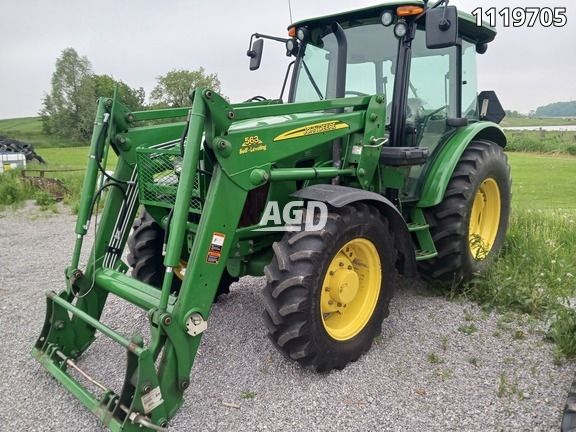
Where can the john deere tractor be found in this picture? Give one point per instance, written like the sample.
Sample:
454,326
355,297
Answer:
378,159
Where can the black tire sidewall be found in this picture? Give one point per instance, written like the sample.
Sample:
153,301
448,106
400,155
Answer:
375,231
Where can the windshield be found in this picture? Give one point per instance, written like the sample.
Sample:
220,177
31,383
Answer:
371,62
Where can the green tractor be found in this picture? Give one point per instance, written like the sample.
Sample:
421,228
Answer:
379,159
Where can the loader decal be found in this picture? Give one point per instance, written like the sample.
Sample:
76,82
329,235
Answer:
312,129
215,249
252,144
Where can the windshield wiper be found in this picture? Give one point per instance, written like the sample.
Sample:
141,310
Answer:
312,80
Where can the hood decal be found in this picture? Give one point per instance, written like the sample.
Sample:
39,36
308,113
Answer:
313,129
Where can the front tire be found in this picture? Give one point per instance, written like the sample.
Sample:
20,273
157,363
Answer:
469,226
328,291
147,262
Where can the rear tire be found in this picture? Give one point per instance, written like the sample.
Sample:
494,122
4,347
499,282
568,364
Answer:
145,256
306,263
469,226
569,417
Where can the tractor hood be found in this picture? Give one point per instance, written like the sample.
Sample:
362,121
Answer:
252,124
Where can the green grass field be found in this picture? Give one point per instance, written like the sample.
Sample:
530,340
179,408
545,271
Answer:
543,182
69,158
29,129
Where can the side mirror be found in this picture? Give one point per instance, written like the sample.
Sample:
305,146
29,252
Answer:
441,27
490,107
255,54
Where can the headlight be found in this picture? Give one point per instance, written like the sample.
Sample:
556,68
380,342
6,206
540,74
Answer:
302,34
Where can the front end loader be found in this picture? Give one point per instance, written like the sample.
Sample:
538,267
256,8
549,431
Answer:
383,159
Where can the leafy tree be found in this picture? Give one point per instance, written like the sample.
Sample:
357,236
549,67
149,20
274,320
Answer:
68,111
514,114
557,109
131,97
174,87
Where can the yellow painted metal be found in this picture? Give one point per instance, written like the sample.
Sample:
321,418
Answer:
484,219
180,271
350,289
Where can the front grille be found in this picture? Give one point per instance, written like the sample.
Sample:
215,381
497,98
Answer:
159,175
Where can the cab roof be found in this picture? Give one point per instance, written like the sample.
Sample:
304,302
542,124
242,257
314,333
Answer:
466,23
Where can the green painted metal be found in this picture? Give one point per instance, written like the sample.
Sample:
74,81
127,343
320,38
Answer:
436,178
234,158
420,228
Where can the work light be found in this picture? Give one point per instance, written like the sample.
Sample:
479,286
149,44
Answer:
387,18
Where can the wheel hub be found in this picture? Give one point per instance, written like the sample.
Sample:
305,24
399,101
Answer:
484,219
350,289
344,283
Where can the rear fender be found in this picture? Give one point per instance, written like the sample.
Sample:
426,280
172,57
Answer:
340,196
440,169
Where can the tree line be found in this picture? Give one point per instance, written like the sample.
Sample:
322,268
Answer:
68,110
557,109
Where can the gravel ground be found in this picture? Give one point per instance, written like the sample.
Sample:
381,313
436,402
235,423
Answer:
424,373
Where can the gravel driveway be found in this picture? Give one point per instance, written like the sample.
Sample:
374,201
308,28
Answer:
438,366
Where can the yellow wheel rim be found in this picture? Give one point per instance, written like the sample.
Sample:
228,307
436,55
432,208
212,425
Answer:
484,219
180,271
350,289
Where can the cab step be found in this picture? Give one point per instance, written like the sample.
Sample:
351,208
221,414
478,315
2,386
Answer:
422,255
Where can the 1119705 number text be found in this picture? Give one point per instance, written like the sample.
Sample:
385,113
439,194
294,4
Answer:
522,16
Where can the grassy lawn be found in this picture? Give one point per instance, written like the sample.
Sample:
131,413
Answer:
72,158
543,182
29,129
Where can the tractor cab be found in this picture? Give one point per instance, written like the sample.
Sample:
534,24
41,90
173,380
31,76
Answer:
423,61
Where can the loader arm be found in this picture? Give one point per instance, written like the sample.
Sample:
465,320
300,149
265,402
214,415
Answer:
200,224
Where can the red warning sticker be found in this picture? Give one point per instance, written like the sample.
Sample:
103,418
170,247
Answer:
215,249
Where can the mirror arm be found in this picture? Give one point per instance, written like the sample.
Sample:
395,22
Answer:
251,53
274,38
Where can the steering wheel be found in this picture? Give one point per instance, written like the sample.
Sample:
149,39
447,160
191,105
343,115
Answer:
256,99
433,113
355,93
